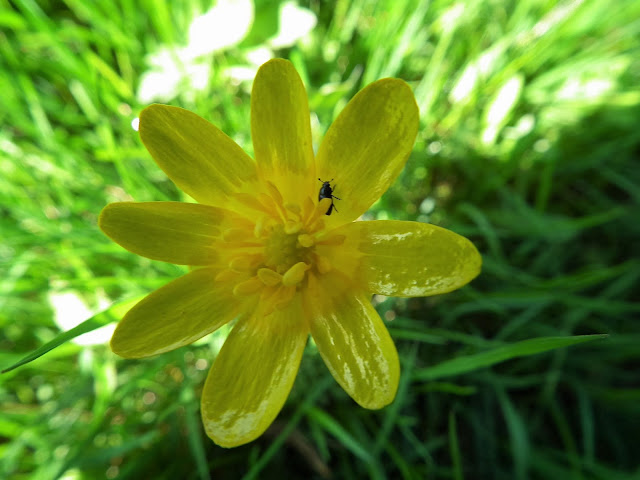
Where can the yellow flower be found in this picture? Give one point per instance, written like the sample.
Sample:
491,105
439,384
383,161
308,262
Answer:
270,254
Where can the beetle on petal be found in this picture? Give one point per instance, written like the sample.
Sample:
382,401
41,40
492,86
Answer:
327,192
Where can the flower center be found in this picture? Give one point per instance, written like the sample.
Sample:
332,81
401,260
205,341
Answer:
282,250
271,249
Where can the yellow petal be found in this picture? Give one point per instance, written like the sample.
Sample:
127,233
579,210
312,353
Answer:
408,259
181,233
367,146
352,340
252,376
200,159
175,315
281,130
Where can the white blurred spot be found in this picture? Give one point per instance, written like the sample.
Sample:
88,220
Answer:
451,16
477,70
295,23
434,147
70,311
259,55
427,205
201,364
225,25
171,68
542,145
465,84
135,123
501,107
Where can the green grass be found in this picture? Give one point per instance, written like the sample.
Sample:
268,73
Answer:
529,145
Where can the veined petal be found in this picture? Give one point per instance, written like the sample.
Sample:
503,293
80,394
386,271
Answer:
367,146
352,340
408,259
281,130
175,315
199,158
252,376
175,232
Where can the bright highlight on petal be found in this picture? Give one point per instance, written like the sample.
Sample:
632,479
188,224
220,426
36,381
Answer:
278,249
353,341
252,376
408,259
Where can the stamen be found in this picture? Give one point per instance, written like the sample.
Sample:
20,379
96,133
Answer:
294,209
248,287
306,240
262,227
292,226
226,275
269,277
295,274
241,264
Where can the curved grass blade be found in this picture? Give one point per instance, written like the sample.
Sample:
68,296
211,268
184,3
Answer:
468,363
111,314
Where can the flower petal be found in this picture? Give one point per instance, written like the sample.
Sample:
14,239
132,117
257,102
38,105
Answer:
180,233
175,315
407,259
281,129
252,376
200,159
367,146
352,340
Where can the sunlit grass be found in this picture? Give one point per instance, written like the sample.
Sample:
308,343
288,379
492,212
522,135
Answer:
529,145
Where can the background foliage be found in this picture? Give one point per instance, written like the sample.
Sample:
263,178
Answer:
529,145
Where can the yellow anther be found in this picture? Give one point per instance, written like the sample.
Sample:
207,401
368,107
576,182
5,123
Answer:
241,264
225,275
248,287
292,227
269,277
323,264
260,229
295,274
305,240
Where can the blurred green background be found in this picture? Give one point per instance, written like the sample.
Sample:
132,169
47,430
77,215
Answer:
529,145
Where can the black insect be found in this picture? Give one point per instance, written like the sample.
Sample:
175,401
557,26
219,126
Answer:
327,192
